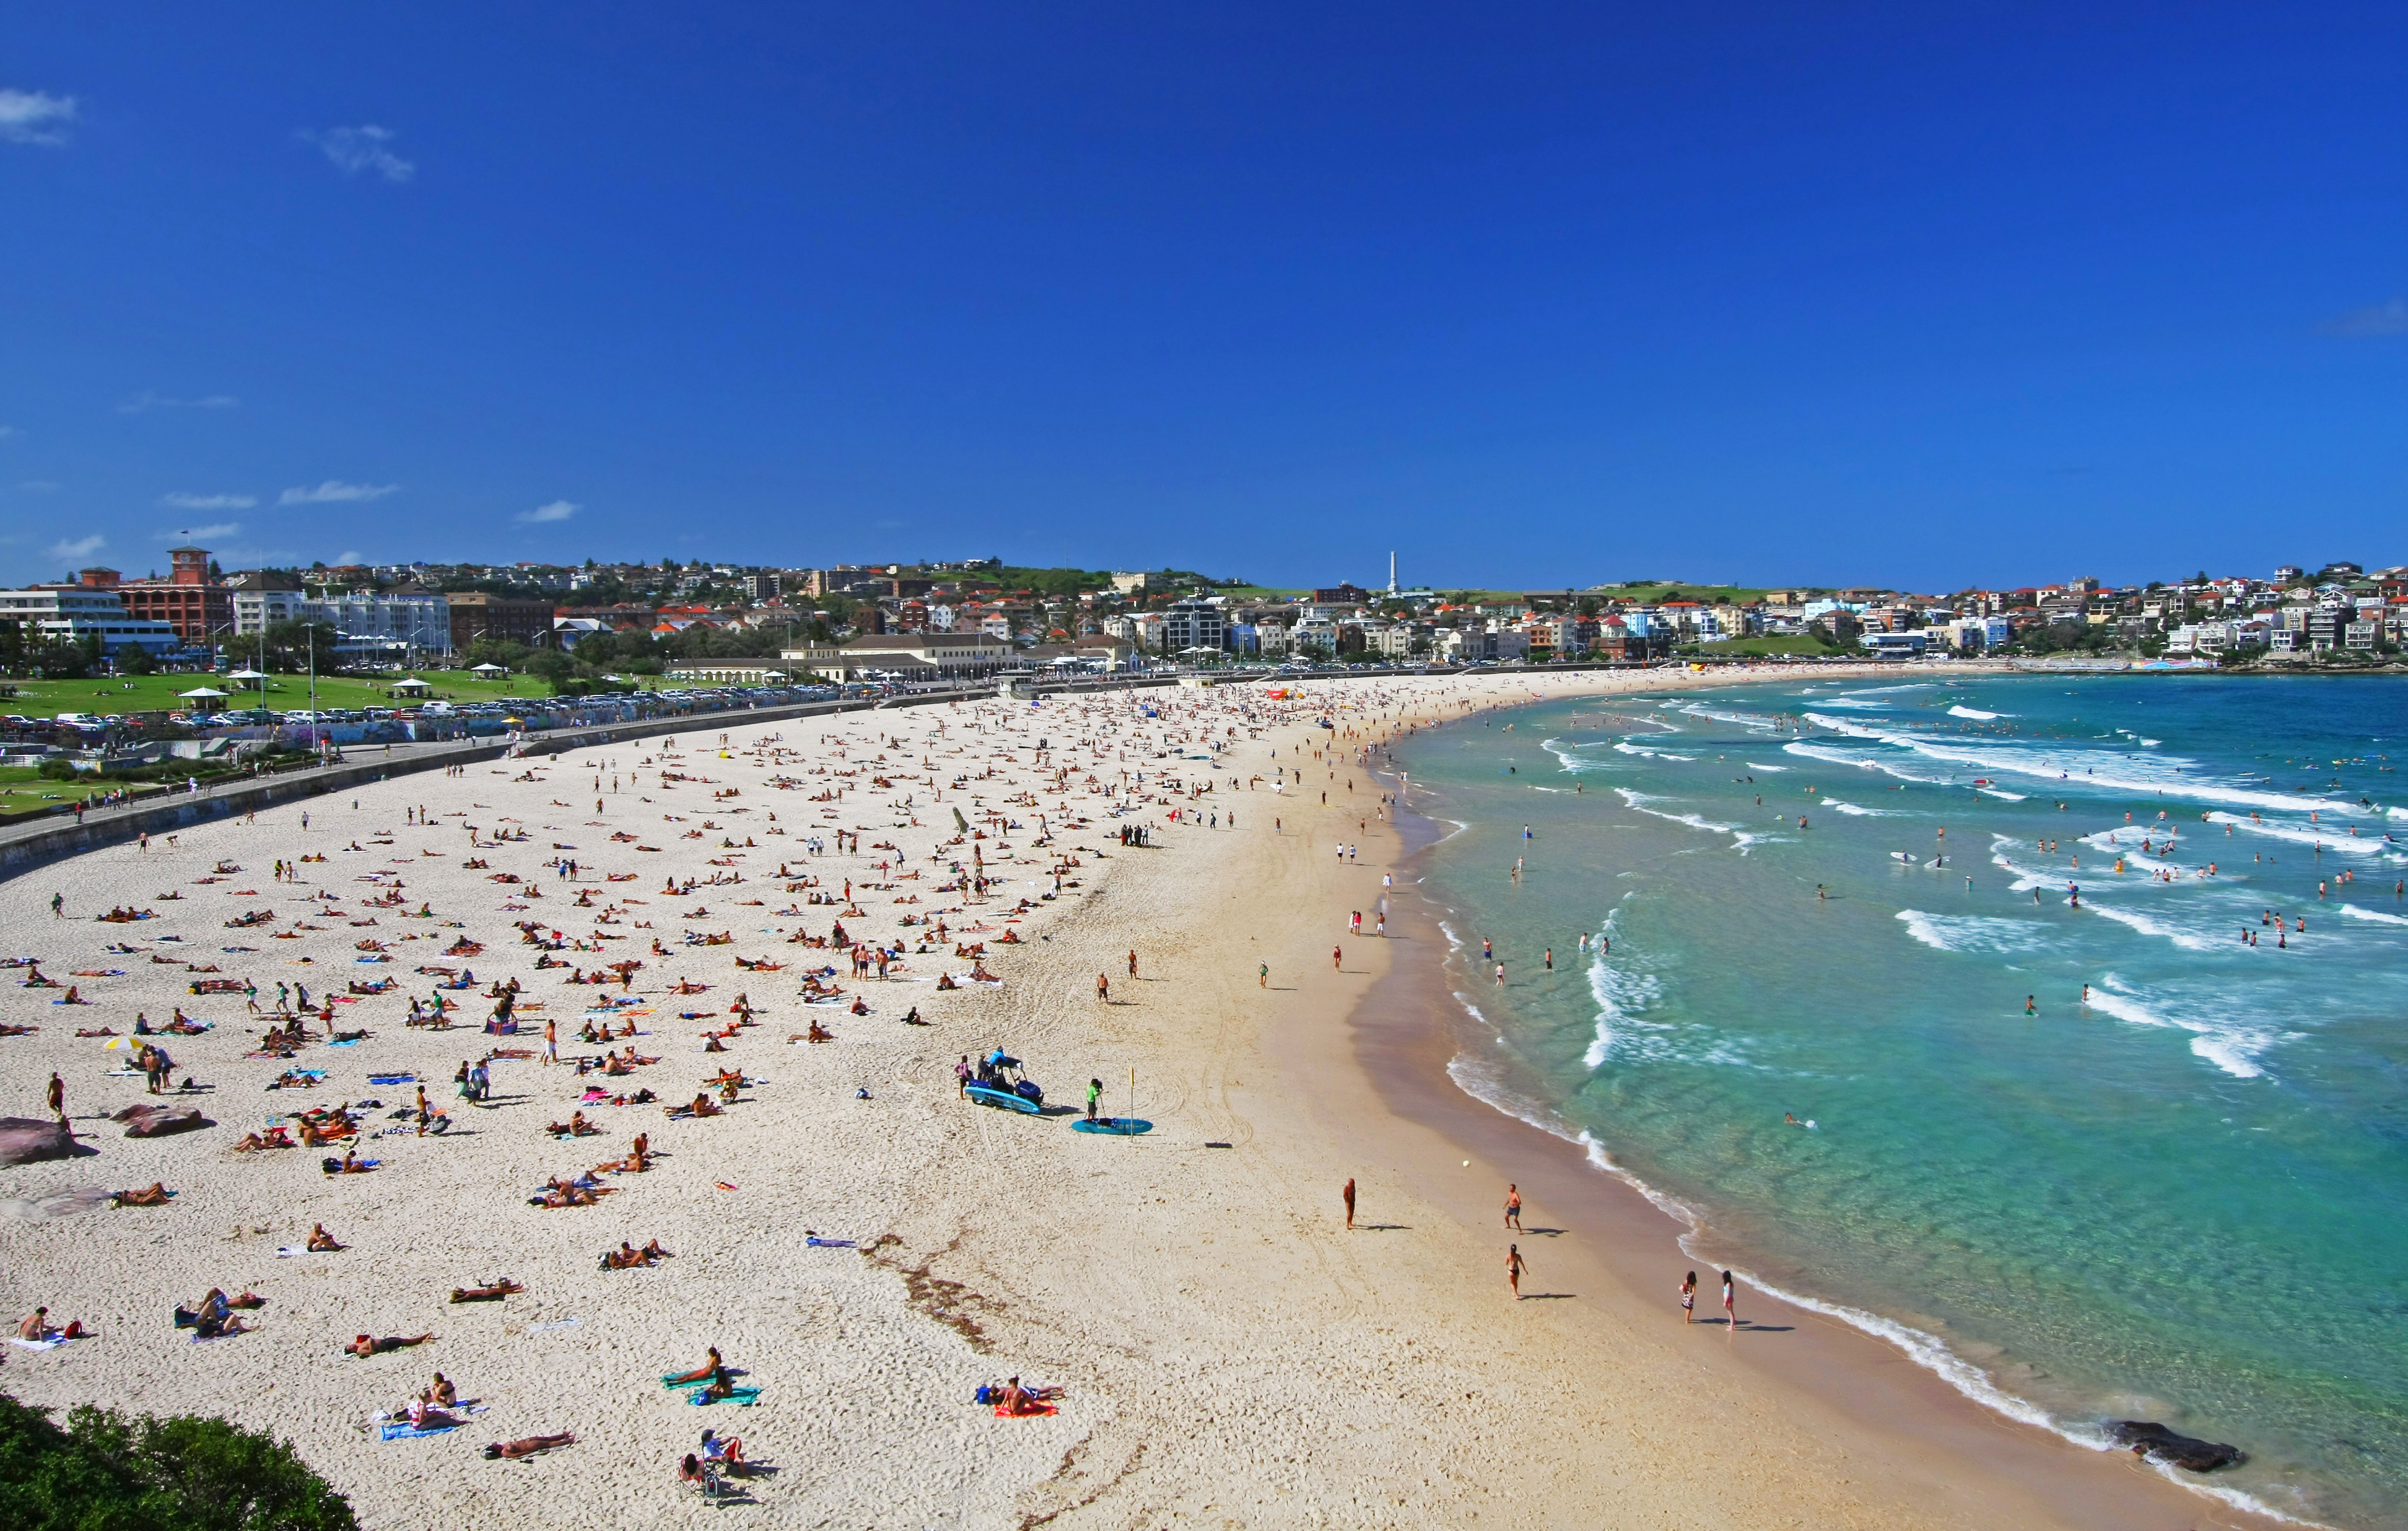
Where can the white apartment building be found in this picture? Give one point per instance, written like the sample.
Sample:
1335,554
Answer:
76,614
418,620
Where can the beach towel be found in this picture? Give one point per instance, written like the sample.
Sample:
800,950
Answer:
393,1078
404,1430
1004,1412
742,1398
555,1324
36,1344
819,1243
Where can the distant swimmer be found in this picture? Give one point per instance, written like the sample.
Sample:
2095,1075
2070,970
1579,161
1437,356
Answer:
2031,1004
1822,893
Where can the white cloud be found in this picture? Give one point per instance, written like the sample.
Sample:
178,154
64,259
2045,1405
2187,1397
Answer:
82,547
362,147
209,502
146,400
194,534
344,559
30,117
556,511
8,431
2383,318
335,492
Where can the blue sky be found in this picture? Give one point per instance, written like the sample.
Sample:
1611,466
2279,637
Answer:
1911,294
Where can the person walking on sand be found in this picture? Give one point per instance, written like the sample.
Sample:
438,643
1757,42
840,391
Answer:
1337,958
1514,1268
1132,961
1689,1298
1348,1196
1730,1291
1104,987
58,906
550,1043
58,1097
1514,1209
1263,979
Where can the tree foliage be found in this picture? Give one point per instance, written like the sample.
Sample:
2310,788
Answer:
107,1471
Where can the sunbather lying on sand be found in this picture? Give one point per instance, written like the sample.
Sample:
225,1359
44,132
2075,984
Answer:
526,1446
273,1137
490,1292
367,1345
628,1257
153,1194
576,1126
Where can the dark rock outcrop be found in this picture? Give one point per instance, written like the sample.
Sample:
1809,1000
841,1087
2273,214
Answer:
25,1140
2158,1444
160,1121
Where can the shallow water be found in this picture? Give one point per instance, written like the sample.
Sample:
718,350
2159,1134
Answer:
2185,1200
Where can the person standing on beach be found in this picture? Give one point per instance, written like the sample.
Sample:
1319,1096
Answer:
58,906
1348,1196
550,1044
1500,975
58,1097
1514,1268
1689,1298
1730,1315
1337,958
1514,1208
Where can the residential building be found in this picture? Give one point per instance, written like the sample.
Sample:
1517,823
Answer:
476,615
1194,624
413,618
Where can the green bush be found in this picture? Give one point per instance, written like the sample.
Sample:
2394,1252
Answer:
56,768
106,1472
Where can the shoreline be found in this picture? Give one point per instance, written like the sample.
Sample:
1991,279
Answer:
1416,1040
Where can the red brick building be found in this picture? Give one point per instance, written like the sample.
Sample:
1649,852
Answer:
199,607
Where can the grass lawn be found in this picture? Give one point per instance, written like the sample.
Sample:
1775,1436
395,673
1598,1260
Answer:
1805,647
285,693
24,791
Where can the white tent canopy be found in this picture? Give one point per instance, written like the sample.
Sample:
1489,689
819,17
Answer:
412,683
489,669
247,675
203,691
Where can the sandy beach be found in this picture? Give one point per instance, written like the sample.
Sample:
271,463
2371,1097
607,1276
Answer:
863,1244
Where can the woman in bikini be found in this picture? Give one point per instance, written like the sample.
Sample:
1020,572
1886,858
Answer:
1689,1298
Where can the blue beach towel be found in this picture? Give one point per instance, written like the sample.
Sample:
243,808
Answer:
743,1397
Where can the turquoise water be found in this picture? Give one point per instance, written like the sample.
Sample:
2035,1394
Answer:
2185,1200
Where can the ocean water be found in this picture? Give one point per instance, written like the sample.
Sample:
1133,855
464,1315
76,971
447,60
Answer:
2185,1200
